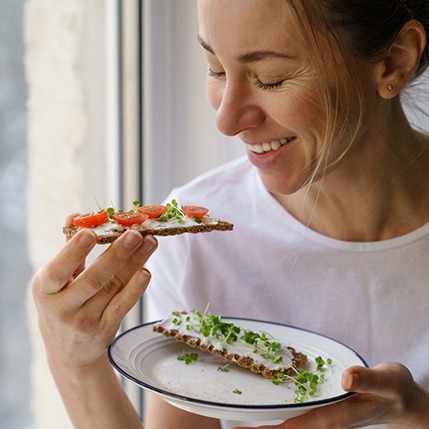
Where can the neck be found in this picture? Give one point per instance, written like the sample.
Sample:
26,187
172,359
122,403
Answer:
380,190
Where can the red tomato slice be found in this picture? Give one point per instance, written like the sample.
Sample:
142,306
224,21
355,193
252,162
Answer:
154,211
90,220
196,211
129,218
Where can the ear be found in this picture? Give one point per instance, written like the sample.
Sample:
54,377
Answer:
399,65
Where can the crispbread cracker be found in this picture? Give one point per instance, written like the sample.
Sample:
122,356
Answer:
258,352
299,359
106,235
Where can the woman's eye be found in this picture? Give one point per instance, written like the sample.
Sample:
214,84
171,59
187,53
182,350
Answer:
272,85
216,75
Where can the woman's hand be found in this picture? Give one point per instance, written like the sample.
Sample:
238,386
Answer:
80,310
386,394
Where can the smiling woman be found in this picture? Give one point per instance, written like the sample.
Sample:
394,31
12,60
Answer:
271,83
330,208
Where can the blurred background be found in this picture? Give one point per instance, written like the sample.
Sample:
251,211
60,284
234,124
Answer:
15,270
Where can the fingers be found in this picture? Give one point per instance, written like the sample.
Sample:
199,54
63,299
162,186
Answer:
330,417
57,273
69,222
141,255
122,277
69,219
351,413
127,298
387,379
385,394
113,268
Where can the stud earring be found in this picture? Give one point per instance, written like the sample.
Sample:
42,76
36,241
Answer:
390,87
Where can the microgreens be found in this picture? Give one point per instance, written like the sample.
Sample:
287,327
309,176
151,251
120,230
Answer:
188,358
224,368
173,212
111,210
306,382
238,392
213,326
177,319
265,345
321,363
196,219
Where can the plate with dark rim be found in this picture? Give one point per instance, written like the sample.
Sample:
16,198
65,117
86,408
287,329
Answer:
213,387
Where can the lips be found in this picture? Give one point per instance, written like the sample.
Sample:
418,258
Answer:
273,145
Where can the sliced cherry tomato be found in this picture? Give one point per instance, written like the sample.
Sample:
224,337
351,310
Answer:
129,218
154,211
196,211
90,220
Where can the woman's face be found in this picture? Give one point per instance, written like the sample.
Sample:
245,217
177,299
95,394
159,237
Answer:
261,82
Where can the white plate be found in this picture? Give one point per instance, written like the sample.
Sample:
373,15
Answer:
150,360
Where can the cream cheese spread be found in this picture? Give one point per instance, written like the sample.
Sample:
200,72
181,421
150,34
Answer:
174,223
107,228
222,335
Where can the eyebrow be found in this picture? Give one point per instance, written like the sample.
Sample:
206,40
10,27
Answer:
249,57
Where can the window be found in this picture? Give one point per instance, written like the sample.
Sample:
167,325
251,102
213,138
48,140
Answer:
168,132
15,271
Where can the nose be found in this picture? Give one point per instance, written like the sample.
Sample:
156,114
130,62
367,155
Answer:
237,110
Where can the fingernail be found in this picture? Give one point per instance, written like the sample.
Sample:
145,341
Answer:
132,239
86,238
350,382
143,276
149,244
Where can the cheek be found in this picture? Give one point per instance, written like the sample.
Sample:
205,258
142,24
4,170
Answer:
303,111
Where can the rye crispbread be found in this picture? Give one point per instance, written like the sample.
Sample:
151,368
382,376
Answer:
299,359
106,236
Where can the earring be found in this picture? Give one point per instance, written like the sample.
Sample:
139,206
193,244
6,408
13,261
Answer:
390,87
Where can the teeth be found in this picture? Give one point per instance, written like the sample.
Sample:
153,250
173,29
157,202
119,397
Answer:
267,147
274,145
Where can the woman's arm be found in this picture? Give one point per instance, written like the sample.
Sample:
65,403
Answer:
161,415
94,397
80,311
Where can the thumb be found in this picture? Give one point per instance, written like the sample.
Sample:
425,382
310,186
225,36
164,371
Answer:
384,379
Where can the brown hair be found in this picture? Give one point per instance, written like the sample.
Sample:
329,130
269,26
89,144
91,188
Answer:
362,31
369,27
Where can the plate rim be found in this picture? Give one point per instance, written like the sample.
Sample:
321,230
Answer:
225,406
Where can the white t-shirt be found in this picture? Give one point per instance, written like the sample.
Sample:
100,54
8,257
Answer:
374,297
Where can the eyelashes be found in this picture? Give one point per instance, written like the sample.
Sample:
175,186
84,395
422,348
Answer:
267,86
216,75
259,84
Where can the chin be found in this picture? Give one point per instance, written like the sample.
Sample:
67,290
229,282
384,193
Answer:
280,185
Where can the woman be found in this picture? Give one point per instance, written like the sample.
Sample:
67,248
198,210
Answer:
331,215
